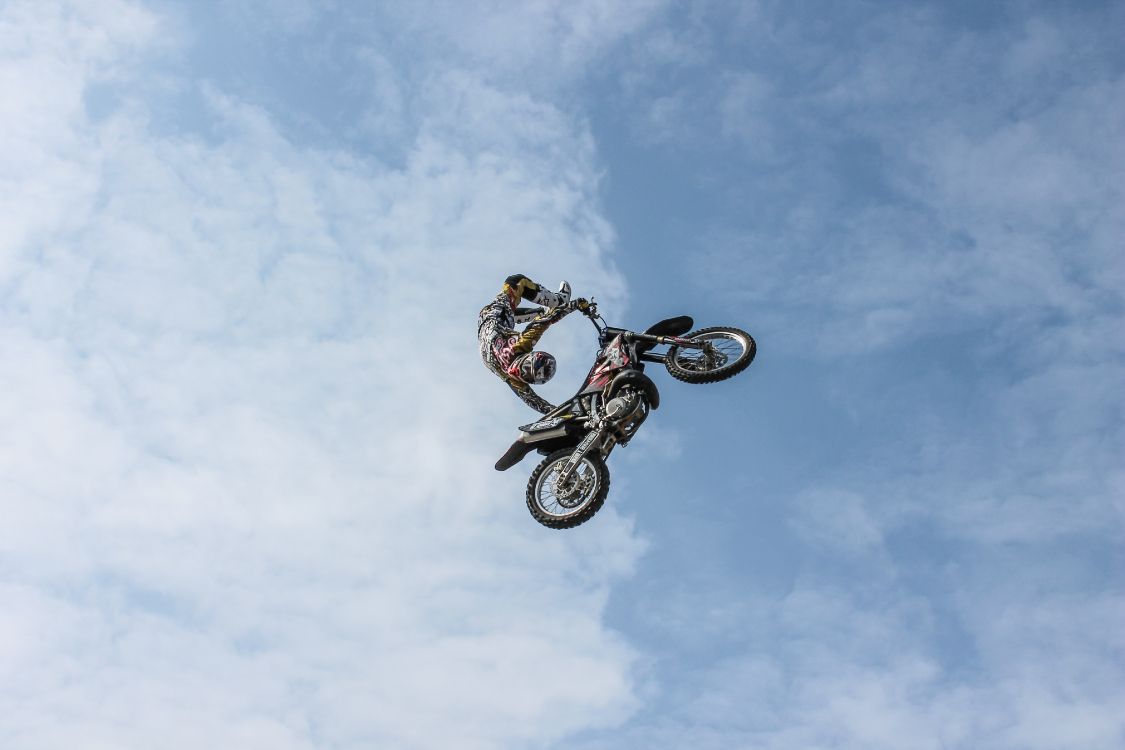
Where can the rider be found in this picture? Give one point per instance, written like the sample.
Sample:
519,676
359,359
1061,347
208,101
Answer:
510,354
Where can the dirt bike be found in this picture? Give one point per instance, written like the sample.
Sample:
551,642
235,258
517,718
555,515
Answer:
570,485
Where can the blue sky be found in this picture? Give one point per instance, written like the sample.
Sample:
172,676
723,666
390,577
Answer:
246,443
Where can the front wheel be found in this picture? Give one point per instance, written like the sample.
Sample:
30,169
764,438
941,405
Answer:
725,353
568,504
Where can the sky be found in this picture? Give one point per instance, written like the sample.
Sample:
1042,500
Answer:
246,442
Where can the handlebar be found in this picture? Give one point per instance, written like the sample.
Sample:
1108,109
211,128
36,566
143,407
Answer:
591,312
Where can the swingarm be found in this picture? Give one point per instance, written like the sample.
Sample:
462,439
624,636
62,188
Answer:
649,356
669,340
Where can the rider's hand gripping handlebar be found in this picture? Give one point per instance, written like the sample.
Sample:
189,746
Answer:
585,306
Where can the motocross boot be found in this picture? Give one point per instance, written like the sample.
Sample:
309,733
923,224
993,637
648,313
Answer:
550,299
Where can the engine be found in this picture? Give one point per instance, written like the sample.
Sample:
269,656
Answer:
626,411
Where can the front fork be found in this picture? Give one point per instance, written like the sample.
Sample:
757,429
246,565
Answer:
599,436
593,438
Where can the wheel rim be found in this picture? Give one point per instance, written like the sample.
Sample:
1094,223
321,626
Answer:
724,351
578,492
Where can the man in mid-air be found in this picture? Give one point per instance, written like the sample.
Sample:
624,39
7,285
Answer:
511,355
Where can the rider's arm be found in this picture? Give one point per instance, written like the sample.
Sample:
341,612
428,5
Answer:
535,330
530,397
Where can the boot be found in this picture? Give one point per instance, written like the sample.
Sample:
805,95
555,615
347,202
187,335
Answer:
551,300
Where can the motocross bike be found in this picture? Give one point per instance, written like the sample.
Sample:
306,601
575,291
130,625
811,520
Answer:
570,485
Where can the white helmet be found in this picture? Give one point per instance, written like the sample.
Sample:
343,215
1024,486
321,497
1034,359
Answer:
536,368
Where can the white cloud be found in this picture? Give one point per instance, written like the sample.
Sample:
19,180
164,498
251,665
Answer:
942,240
744,109
824,666
236,503
838,521
995,159
247,445
538,43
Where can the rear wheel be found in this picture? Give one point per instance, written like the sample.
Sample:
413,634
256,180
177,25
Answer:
573,502
725,353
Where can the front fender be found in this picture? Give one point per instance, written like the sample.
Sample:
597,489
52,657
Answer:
638,380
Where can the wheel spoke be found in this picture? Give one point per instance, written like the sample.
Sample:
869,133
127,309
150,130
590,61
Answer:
577,500
547,494
728,348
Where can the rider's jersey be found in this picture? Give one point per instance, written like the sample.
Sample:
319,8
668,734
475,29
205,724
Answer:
501,345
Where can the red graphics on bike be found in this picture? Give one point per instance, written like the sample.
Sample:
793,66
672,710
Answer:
613,358
570,485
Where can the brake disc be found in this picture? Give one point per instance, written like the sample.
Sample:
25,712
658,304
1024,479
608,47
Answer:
572,493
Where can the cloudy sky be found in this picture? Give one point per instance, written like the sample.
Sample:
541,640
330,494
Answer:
246,443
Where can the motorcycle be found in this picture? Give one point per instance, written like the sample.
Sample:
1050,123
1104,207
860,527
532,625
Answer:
570,485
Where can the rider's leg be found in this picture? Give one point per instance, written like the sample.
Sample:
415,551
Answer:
524,288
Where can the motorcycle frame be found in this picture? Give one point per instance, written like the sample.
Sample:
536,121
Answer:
589,430
606,333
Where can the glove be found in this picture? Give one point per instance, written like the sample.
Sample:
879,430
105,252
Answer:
581,304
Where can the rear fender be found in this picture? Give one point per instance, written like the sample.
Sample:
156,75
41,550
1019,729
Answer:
545,439
515,454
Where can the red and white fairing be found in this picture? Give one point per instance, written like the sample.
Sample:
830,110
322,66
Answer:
614,357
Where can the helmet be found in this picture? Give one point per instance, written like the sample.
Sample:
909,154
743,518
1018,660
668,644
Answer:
536,367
